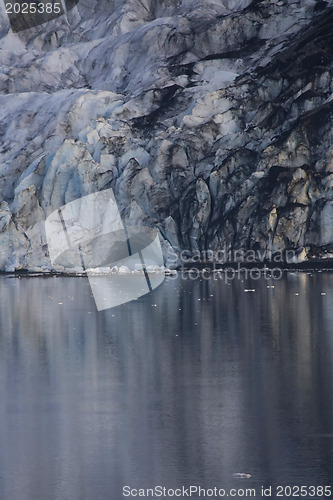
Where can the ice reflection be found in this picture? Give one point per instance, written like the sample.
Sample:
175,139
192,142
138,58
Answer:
189,384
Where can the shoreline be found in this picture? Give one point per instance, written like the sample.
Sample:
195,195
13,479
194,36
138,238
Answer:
306,266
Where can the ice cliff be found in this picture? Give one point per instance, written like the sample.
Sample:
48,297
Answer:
209,119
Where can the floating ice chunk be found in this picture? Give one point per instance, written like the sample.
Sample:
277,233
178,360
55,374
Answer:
124,270
241,475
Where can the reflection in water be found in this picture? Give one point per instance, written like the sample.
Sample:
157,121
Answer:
187,385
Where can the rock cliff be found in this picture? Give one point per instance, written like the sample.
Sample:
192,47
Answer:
211,120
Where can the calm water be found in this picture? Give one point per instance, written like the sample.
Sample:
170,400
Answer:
188,385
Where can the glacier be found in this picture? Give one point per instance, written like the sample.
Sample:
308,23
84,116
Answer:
210,120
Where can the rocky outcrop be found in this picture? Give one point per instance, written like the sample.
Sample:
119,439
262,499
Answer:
210,120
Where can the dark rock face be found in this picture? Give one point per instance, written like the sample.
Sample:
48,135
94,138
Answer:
210,120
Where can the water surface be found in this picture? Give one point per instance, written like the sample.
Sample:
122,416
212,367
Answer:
187,385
